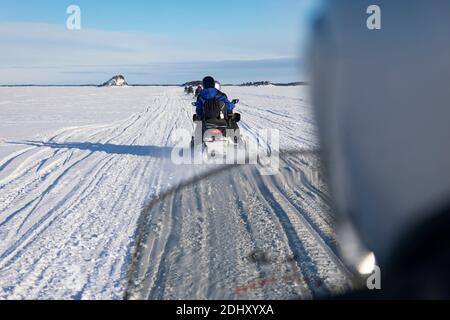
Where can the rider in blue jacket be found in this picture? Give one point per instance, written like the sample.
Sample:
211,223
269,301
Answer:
211,92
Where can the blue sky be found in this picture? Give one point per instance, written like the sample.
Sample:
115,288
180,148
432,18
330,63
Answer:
153,41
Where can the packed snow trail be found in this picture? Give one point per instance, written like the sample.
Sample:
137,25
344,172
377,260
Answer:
239,235
69,208
70,200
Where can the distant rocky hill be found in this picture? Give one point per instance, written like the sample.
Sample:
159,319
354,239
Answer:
116,81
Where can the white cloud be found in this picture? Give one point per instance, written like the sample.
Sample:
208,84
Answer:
36,44
33,44
88,55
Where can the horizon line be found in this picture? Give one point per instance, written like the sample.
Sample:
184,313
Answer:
300,82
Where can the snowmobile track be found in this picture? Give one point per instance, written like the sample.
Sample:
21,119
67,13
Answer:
76,223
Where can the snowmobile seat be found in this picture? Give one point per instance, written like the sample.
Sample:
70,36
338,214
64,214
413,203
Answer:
213,109
216,123
215,115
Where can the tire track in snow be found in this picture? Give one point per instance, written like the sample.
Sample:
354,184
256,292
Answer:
36,276
23,242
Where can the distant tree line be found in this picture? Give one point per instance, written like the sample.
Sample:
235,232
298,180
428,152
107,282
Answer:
255,84
192,83
249,84
299,83
266,83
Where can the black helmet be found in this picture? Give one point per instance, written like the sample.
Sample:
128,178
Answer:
209,82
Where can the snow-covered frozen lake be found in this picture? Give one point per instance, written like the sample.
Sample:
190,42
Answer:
78,165
36,111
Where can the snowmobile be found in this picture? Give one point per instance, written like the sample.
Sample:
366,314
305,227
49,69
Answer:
197,92
220,134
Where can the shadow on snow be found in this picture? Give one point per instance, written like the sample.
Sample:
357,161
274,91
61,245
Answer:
143,151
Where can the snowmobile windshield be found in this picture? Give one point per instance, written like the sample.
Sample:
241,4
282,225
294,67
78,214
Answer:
279,245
